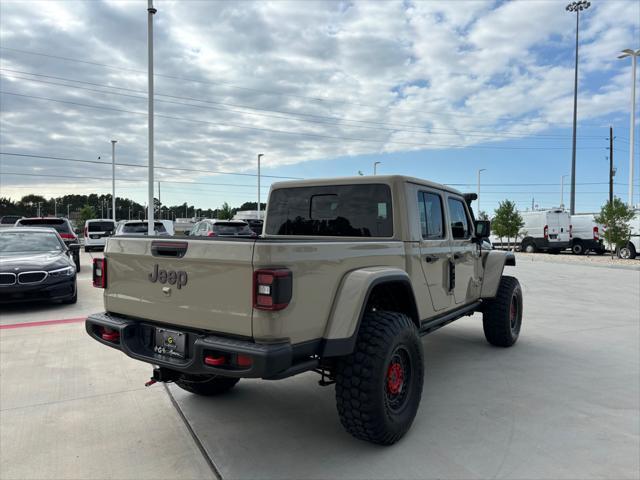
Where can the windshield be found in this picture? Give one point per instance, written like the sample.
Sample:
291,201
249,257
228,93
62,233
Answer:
101,227
141,227
232,229
13,242
60,225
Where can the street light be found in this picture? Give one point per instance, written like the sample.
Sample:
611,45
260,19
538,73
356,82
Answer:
575,7
375,167
260,155
150,13
479,171
634,55
113,178
562,190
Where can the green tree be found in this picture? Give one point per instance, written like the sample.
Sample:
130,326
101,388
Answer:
482,215
615,216
507,222
86,213
225,212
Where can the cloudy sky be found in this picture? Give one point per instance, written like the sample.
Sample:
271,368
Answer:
434,89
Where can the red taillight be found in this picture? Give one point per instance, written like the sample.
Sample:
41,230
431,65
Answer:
272,288
596,233
211,234
68,236
546,231
110,335
100,272
570,231
244,361
215,361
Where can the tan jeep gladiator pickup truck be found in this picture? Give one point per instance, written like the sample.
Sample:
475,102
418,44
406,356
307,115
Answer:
346,277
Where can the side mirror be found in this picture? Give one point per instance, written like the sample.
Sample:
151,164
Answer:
483,228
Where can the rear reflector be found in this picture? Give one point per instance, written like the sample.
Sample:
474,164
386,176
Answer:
272,288
109,334
596,233
244,361
546,231
215,361
100,272
68,236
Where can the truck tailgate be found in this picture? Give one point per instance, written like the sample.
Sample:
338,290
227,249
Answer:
208,286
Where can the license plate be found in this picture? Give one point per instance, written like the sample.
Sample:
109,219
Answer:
170,343
95,236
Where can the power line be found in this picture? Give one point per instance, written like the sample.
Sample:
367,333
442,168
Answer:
13,154
268,92
416,129
286,132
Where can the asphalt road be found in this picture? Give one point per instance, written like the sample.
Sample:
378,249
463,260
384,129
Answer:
563,403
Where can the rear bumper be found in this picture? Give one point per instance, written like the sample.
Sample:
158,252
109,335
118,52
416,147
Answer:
137,338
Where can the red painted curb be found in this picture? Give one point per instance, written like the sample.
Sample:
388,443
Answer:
42,323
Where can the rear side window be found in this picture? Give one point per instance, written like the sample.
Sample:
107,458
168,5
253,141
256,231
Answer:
337,211
459,221
232,229
431,215
101,227
9,220
61,226
142,228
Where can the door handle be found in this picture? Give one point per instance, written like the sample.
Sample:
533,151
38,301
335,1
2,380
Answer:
430,259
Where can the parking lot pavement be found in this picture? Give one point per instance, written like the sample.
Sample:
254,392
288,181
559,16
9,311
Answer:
563,403
71,408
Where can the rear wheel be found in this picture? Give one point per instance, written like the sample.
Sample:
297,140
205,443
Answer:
206,385
529,246
502,316
379,385
628,252
577,248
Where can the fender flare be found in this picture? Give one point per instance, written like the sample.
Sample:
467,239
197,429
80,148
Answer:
350,303
494,264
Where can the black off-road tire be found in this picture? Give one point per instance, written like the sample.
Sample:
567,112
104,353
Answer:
379,385
502,315
206,385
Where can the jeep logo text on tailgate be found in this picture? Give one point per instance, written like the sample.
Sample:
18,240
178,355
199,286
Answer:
173,277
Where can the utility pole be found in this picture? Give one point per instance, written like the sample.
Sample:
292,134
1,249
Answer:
576,7
159,201
68,205
39,208
562,190
479,171
375,167
55,207
102,208
150,12
260,155
611,173
532,202
129,212
113,178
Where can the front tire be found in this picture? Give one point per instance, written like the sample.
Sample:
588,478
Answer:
379,385
577,248
502,316
206,385
628,252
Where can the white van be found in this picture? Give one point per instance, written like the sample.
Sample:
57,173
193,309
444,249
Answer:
632,248
586,234
96,232
545,230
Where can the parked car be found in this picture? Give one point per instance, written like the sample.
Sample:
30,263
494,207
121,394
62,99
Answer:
8,221
222,228
140,227
96,232
347,276
545,231
36,264
60,225
586,234
632,248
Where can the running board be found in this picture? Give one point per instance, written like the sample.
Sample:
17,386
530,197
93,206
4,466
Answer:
435,323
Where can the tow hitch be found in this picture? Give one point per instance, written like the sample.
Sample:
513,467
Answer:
161,374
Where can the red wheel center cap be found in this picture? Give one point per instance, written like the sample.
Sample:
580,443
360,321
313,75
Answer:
395,378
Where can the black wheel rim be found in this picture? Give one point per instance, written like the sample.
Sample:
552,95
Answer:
514,314
398,377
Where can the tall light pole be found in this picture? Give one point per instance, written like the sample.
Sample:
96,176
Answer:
39,208
55,207
632,127
479,172
575,7
260,155
113,178
68,205
562,190
150,12
375,167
